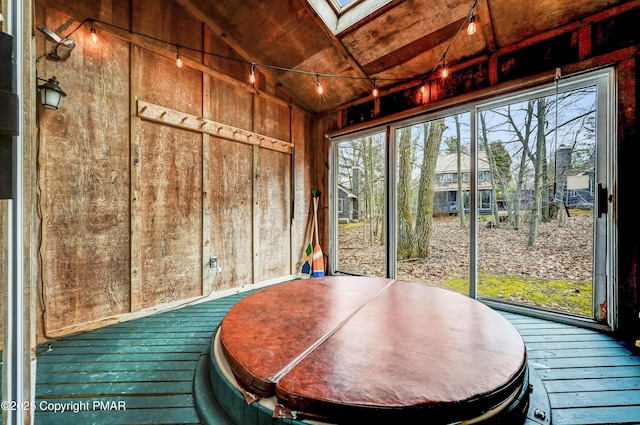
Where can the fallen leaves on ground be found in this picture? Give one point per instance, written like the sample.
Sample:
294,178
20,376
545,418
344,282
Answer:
563,253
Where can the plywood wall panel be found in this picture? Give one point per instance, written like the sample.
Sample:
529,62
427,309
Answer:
133,209
273,182
231,209
272,119
171,230
231,105
170,188
85,166
181,92
303,214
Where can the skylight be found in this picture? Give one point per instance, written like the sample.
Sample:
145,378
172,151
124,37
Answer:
339,15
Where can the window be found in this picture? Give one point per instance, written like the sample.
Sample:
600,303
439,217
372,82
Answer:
508,243
339,15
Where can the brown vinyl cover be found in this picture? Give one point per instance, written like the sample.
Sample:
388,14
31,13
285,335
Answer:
351,347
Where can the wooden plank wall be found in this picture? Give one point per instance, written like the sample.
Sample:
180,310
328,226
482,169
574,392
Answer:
133,209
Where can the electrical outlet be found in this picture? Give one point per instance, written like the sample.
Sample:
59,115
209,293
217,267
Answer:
213,262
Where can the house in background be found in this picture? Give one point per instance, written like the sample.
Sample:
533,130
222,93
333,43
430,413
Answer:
446,188
348,206
575,183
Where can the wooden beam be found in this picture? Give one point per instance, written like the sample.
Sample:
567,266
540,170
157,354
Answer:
160,114
483,13
413,49
337,43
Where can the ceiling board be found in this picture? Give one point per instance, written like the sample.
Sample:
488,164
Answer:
405,39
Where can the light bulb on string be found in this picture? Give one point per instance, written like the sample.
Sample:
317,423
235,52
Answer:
319,88
445,71
252,77
472,27
179,62
94,36
375,89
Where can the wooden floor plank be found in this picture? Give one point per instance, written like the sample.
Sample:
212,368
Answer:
146,401
573,345
595,399
112,388
590,372
581,352
78,366
592,385
555,331
597,416
94,358
148,334
121,376
127,349
588,336
169,416
126,342
586,362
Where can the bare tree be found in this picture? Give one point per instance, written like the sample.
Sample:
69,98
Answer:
492,170
523,136
405,217
459,163
540,160
424,216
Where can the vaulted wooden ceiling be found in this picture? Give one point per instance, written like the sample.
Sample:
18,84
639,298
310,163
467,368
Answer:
404,39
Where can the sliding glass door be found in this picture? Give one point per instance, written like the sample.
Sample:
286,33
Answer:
543,240
507,200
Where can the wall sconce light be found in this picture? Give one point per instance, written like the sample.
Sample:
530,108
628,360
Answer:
50,93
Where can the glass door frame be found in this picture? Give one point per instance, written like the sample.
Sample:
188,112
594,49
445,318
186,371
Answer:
605,231
605,289
333,197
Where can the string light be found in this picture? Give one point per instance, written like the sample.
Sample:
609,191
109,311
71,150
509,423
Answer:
471,28
445,71
179,62
94,36
252,77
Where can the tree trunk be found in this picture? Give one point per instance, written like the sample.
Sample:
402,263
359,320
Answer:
524,139
424,216
492,171
405,219
539,158
459,159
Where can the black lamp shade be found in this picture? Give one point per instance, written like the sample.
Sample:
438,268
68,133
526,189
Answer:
51,93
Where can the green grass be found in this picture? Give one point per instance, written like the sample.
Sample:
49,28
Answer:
563,295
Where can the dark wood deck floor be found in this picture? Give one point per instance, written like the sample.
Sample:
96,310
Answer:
147,367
